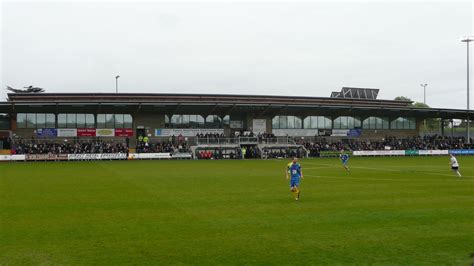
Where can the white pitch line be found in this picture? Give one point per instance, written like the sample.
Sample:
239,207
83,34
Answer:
309,168
396,170
388,179
401,171
358,178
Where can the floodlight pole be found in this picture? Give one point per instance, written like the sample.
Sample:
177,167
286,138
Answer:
424,92
116,83
424,102
467,40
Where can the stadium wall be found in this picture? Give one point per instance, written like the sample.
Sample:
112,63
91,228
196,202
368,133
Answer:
148,122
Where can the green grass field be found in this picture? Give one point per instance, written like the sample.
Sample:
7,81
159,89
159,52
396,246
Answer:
384,211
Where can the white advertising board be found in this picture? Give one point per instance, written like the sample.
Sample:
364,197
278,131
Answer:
182,156
259,126
105,132
97,156
339,132
379,153
67,132
433,152
298,132
186,132
236,124
162,155
16,157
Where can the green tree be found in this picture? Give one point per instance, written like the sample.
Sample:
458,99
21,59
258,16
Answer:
432,124
402,98
420,105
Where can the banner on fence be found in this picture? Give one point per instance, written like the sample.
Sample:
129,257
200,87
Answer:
411,152
340,133
46,132
67,132
186,132
86,132
97,156
105,132
332,153
354,133
462,152
433,152
324,132
46,157
300,132
182,155
379,153
124,132
161,155
19,157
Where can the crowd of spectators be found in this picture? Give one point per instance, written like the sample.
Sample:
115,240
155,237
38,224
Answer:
248,152
66,147
274,153
218,153
179,144
260,137
174,144
435,142
161,146
210,135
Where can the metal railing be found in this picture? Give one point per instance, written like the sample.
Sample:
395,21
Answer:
244,140
248,140
217,141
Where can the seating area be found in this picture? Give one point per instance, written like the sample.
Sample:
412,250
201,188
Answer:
68,147
435,142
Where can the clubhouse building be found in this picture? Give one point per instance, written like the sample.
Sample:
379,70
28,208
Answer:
351,113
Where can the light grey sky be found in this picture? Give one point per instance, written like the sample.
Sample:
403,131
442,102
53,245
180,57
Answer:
306,48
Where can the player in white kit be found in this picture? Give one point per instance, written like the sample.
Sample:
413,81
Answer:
454,164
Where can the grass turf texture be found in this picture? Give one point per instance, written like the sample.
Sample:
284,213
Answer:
384,211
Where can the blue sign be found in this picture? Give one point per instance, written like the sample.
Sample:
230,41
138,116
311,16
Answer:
354,133
46,133
462,152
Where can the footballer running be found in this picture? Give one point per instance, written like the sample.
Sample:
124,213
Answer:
293,170
454,164
344,159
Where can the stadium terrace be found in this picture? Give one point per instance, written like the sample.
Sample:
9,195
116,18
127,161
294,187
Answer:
203,123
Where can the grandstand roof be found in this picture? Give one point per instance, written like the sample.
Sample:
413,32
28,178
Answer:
220,104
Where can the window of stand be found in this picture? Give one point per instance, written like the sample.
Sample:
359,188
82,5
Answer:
34,120
114,121
317,122
375,123
42,120
76,121
286,122
347,122
196,121
403,123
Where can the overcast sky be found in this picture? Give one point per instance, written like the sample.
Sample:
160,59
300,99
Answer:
307,49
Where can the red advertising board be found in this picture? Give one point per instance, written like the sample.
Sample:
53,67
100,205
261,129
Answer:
86,132
124,132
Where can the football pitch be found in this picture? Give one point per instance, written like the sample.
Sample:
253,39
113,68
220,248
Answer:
394,210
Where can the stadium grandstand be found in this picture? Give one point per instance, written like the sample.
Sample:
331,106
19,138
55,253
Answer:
205,126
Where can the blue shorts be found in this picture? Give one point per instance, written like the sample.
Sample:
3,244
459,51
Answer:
295,182
344,162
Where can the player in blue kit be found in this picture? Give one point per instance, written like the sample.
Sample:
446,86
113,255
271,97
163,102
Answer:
344,159
293,170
